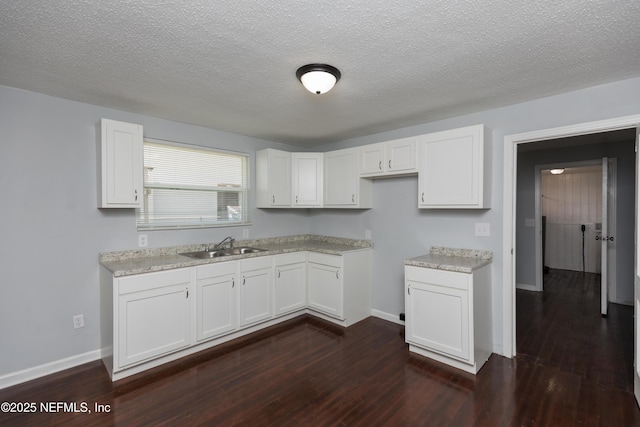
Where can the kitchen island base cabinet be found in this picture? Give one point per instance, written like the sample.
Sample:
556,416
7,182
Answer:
448,315
339,287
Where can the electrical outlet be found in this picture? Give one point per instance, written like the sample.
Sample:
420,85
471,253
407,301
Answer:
143,241
529,222
367,234
245,233
78,321
483,229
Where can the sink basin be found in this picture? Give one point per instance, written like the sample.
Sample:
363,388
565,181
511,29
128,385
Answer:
222,252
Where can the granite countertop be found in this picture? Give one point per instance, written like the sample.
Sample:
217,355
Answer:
126,263
452,259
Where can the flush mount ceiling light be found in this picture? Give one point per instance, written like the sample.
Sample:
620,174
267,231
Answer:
318,78
556,171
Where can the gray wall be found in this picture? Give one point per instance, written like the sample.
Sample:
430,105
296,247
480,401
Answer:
48,191
51,231
400,230
624,152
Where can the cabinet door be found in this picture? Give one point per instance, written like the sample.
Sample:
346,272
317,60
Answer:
452,169
401,156
153,322
324,289
307,179
341,178
255,284
372,160
121,162
279,171
216,300
290,287
438,318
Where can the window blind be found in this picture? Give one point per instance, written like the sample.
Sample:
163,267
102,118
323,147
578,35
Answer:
187,187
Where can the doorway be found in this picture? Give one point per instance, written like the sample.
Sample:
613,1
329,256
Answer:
513,173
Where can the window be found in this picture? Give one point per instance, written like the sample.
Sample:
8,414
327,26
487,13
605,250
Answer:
189,187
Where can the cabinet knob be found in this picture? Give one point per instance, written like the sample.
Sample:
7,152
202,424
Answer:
187,293
380,165
136,195
273,199
233,282
422,197
337,274
389,164
296,199
244,280
278,273
353,198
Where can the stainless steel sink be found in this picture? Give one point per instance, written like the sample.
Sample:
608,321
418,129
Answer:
222,252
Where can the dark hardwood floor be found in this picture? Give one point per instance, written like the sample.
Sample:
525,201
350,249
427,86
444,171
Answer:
573,368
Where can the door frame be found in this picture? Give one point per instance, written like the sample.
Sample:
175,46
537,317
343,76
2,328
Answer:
611,189
509,208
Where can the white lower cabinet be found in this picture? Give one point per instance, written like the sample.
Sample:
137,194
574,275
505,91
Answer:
153,315
153,318
215,300
448,315
255,290
290,282
339,287
325,284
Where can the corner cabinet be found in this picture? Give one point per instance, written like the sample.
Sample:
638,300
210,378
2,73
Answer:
448,315
339,286
273,179
120,159
290,282
397,157
307,179
455,169
343,187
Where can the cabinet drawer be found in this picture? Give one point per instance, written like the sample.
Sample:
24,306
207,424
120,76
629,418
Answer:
215,270
291,258
256,263
325,259
143,282
436,277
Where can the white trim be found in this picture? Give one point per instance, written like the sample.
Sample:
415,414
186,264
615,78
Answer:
527,287
387,316
29,374
509,214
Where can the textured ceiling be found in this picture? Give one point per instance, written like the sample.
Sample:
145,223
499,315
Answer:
230,65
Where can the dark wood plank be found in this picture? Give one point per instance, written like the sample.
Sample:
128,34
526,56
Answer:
573,368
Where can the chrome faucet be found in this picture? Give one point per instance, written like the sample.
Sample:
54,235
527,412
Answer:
220,245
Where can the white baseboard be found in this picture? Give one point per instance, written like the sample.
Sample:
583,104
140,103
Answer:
29,374
387,316
526,287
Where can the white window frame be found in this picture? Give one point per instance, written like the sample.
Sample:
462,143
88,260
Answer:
243,190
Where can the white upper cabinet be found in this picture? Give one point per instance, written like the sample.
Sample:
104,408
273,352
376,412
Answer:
343,187
454,169
273,179
307,179
121,162
397,157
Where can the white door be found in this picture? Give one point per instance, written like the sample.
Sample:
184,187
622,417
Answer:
636,350
604,282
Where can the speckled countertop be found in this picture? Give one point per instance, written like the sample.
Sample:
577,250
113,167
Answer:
452,259
126,263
